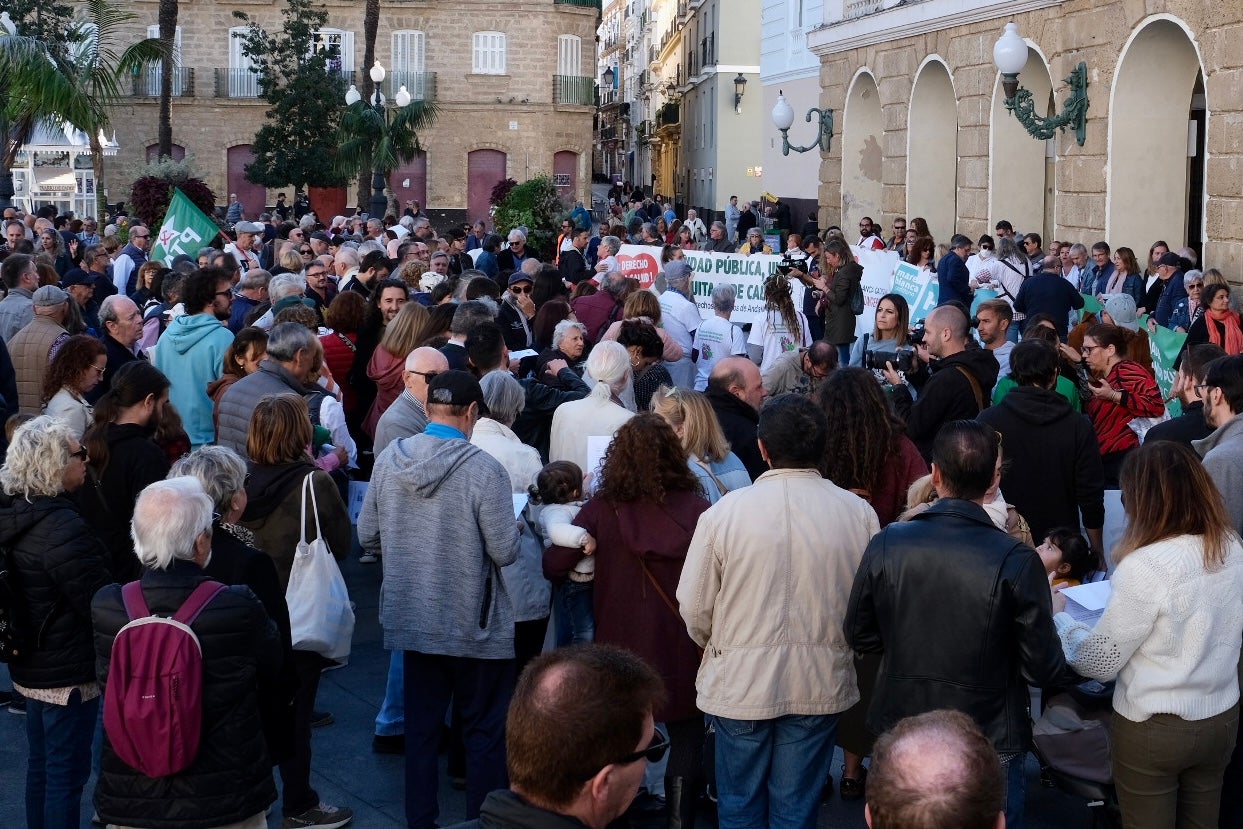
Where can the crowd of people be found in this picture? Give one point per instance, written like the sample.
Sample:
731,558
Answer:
613,530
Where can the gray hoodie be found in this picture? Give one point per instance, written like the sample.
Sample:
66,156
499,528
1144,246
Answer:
440,511
1223,460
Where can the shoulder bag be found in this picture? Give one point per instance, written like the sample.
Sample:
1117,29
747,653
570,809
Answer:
321,619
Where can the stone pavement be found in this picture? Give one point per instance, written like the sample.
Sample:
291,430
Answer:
347,773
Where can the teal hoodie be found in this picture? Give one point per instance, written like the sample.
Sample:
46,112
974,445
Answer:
190,352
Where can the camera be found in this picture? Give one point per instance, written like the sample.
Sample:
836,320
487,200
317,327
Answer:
917,333
794,260
903,359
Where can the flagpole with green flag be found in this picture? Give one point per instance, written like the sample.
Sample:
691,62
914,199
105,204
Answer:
185,230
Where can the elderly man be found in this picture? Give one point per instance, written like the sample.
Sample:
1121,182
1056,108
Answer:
935,771
696,224
131,257
801,371
680,318
444,605
243,248
290,357
599,310
609,695
231,776
251,292
717,243
33,348
607,255
776,682
512,257
345,263
716,337
408,413
736,392
122,323
21,278
1169,271
233,213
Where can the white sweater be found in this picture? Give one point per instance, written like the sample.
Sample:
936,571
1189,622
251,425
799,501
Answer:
1171,632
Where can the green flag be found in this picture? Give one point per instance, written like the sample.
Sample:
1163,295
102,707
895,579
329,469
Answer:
1165,346
185,230
1091,305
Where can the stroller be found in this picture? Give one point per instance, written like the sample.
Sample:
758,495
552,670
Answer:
1071,742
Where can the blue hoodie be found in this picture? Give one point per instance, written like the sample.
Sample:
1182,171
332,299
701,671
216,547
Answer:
190,352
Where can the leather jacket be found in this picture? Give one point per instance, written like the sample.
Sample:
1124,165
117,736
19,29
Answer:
961,612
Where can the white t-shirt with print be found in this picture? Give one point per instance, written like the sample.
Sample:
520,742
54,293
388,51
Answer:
771,333
716,338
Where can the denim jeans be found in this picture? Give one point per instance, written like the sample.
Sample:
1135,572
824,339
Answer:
391,721
843,354
769,773
576,621
60,761
1016,791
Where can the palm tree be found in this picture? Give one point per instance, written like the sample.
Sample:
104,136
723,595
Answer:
80,87
168,31
369,139
371,23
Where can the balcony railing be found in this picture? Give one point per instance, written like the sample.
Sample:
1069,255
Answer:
668,115
572,89
237,83
420,85
588,4
608,97
147,84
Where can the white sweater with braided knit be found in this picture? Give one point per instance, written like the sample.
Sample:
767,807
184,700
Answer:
1170,633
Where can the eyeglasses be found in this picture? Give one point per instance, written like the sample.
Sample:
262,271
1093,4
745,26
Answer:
101,369
81,454
519,289
228,293
654,753
1088,349
429,376
1199,389
1029,241
313,274
140,236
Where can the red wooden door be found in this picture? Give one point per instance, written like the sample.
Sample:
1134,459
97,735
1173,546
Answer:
252,196
565,174
484,168
415,172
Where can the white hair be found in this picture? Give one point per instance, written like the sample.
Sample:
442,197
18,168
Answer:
220,471
286,284
609,366
516,235
369,246
37,458
562,328
169,516
503,395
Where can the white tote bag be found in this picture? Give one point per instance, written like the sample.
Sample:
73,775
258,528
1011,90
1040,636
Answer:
320,617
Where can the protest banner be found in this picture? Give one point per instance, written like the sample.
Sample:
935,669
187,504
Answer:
917,287
185,230
878,267
745,273
1165,346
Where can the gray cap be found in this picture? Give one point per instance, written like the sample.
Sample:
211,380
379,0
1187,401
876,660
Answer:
49,295
248,227
1121,308
677,271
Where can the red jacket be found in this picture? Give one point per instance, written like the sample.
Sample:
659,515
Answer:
339,356
1140,398
596,311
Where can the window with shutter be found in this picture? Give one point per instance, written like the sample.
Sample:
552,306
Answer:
409,49
488,53
569,55
153,72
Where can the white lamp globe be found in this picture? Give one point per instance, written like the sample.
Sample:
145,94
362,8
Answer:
377,73
783,114
353,96
1010,51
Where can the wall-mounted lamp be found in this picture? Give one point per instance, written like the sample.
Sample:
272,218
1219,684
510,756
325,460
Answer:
1010,55
783,118
609,75
740,87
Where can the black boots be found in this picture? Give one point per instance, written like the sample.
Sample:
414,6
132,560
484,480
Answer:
681,800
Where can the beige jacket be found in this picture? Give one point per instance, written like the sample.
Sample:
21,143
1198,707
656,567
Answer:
764,592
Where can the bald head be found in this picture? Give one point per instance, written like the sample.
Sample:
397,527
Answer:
935,771
419,363
947,330
741,378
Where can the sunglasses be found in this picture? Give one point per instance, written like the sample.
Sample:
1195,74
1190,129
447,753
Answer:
307,252
654,753
519,289
81,454
429,376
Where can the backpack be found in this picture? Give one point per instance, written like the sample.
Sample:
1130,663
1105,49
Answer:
12,635
856,299
153,708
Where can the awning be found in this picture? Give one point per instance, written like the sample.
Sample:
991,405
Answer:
54,180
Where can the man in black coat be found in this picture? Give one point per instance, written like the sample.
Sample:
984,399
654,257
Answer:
1052,473
122,328
573,262
990,598
736,391
1191,424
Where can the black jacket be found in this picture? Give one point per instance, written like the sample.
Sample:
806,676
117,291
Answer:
574,267
505,810
961,612
945,395
231,778
739,423
1188,426
534,425
515,327
107,501
1053,473
505,258
117,356
58,566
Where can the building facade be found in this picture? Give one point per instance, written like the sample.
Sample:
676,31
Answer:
923,130
513,81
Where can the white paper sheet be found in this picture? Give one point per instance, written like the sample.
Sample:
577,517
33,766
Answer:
1086,602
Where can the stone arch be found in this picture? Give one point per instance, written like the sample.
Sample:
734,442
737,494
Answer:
862,152
1019,172
932,149
1149,196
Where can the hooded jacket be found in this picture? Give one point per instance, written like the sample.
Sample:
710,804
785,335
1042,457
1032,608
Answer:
441,512
58,566
946,395
1053,473
274,512
191,354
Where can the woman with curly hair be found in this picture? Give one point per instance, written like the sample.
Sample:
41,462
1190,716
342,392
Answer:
644,346
639,526
784,327
76,369
867,453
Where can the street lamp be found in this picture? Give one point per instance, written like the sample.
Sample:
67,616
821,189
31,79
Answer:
783,119
609,75
378,204
740,87
1010,56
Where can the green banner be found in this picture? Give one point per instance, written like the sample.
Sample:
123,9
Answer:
1091,305
1165,346
185,230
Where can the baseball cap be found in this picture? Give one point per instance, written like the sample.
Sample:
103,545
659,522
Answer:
677,271
248,227
454,388
76,276
1170,258
1121,308
48,296
519,276
321,236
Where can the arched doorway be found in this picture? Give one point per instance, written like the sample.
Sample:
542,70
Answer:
565,174
178,152
932,150
862,154
1156,155
484,168
409,181
1019,174
252,196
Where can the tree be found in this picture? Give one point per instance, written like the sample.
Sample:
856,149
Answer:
371,23
369,139
297,142
78,80
168,33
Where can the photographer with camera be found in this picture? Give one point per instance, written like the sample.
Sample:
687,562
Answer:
954,387
841,305
890,340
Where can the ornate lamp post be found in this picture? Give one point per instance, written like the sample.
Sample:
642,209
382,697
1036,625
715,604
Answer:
378,204
1010,55
783,119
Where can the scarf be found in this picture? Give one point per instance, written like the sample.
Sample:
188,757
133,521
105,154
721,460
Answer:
1115,282
1234,335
